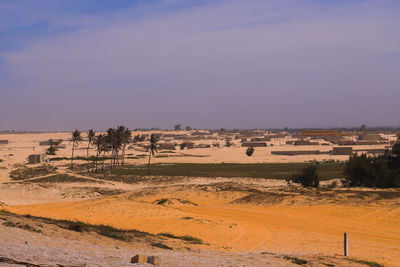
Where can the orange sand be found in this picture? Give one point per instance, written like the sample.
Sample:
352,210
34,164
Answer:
283,228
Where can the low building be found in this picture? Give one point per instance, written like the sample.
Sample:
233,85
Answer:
305,143
340,150
254,144
166,146
296,152
3,142
35,158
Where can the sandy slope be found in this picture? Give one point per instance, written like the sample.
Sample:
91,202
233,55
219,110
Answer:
301,224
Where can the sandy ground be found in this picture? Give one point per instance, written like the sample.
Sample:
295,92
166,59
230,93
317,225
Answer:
248,217
237,220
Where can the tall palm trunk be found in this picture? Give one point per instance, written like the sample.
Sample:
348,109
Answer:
148,165
87,150
72,156
123,155
96,160
87,156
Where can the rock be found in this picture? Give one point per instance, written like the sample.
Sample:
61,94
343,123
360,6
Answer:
155,260
139,259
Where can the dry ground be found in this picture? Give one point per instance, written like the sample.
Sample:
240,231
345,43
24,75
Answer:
261,219
224,221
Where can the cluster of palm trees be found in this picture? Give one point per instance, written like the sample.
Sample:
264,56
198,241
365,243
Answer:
112,143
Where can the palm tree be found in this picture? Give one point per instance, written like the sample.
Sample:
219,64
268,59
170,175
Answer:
113,140
91,135
126,138
101,146
76,139
152,150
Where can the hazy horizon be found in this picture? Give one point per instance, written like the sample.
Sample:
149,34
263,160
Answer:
83,64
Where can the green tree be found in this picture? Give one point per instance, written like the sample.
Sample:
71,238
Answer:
126,138
101,145
177,127
75,140
381,171
90,135
307,177
228,142
152,150
51,150
250,151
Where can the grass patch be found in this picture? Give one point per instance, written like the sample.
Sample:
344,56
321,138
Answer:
367,263
62,178
22,226
162,201
160,245
104,230
26,172
268,170
91,158
78,226
295,260
187,238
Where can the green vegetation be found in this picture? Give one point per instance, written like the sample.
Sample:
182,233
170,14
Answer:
325,171
62,178
188,238
22,226
77,226
228,142
152,150
53,146
295,260
26,173
381,171
51,150
367,263
91,158
250,151
160,245
162,201
307,177
76,139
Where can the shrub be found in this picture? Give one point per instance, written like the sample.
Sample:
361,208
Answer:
228,142
250,151
374,171
333,184
51,150
160,245
307,177
183,146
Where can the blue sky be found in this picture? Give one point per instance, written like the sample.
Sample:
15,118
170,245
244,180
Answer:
232,64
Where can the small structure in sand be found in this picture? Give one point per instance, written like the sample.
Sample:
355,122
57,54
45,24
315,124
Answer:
35,158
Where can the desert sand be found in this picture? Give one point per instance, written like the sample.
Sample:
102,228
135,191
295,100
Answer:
256,221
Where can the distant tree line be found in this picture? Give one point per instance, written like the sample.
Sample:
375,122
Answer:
111,145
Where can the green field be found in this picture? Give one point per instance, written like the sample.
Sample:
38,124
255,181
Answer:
267,170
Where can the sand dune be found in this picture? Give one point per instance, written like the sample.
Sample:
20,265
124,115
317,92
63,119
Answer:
304,223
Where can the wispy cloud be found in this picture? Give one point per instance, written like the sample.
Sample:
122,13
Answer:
208,64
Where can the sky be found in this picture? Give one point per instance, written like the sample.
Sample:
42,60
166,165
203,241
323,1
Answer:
81,64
